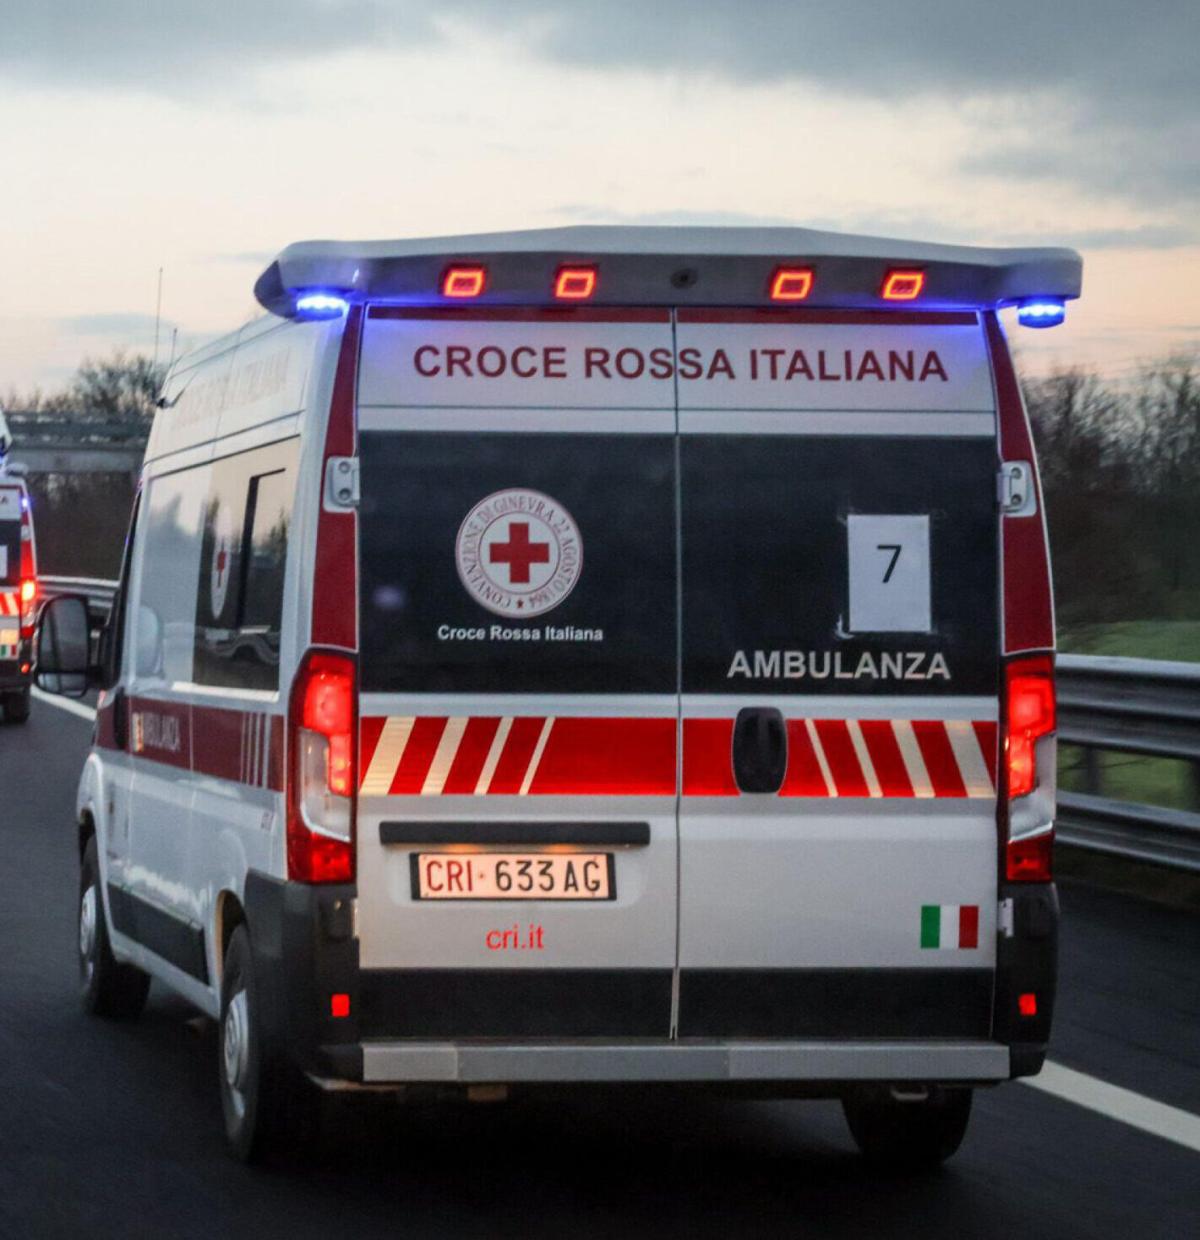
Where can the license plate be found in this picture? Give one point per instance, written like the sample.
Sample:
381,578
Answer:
513,876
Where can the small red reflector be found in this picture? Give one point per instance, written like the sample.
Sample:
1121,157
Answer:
791,284
1030,860
24,669
1027,1004
903,285
339,1006
464,281
575,283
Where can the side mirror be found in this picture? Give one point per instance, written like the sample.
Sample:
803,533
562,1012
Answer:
64,646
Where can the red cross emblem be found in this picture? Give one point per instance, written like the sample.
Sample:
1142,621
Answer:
519,553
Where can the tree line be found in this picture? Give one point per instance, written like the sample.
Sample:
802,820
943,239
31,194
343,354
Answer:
1120,467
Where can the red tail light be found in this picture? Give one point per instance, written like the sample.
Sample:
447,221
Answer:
322,758
1030,719
1029,715
903,285
575,283
791,283
463,281
28,591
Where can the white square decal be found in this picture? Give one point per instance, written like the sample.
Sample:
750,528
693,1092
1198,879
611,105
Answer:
889,574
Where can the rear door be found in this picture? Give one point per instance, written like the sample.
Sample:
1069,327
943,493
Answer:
839,670
10,571
518,636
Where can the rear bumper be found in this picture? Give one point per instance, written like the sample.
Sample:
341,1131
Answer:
682,1062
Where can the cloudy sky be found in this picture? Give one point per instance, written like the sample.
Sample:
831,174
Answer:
201,138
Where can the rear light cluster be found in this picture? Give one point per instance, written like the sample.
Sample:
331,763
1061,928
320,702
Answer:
1029,768
28,591
580,283
321,773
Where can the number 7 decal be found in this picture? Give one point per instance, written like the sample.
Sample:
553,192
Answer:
889,567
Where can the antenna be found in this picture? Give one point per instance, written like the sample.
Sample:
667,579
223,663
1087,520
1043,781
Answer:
157,315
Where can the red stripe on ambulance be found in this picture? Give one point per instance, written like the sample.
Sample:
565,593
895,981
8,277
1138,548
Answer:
542,755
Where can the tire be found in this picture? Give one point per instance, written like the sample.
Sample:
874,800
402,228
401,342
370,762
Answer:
16,706
908,1136
270,1110
106,987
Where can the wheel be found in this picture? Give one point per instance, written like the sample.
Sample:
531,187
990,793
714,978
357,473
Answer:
270,1109
902,1135
16,706
106,987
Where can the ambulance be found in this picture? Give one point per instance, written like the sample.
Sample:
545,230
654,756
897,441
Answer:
18,588
592,656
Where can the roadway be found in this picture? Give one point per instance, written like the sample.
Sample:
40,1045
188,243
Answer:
115,1130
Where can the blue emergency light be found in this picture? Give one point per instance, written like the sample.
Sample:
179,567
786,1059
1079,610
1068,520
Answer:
1041,312
317,305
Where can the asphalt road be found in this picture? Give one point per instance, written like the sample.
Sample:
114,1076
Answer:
115,1130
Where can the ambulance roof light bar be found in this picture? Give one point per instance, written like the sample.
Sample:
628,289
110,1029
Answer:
668,266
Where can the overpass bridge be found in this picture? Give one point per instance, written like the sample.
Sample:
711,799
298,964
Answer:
75,443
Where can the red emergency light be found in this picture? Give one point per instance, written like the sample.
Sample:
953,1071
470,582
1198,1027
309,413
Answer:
464,281
575,283
791,283
903,285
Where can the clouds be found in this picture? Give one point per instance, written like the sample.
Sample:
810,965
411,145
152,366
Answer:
1099,95
185,47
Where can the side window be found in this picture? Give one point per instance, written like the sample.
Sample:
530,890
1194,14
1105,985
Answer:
243,553
163,599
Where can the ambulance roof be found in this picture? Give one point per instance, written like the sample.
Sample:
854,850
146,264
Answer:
668,266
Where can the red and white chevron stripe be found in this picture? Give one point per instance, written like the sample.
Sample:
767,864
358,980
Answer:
10,603
531,755
855,758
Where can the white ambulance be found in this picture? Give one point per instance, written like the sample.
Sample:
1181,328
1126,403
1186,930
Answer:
597,655
18,589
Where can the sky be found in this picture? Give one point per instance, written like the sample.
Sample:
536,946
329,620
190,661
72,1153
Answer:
202,138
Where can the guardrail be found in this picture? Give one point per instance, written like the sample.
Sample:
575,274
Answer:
98,592
1139,706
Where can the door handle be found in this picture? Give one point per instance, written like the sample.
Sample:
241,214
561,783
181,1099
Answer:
759,749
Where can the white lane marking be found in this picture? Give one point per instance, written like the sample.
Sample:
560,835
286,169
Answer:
914,763
822,761
439,768
71,706
1136,1110
536,760
971,765
385,761
493,759
864,757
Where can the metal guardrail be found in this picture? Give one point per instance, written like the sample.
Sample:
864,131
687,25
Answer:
1139,706
98,592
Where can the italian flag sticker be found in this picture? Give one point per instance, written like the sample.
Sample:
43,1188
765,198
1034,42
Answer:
950,925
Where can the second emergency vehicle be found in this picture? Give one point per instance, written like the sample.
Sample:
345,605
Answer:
590,656
18,589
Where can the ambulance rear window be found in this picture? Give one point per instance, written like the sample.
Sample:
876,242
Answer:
10,533
517,562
